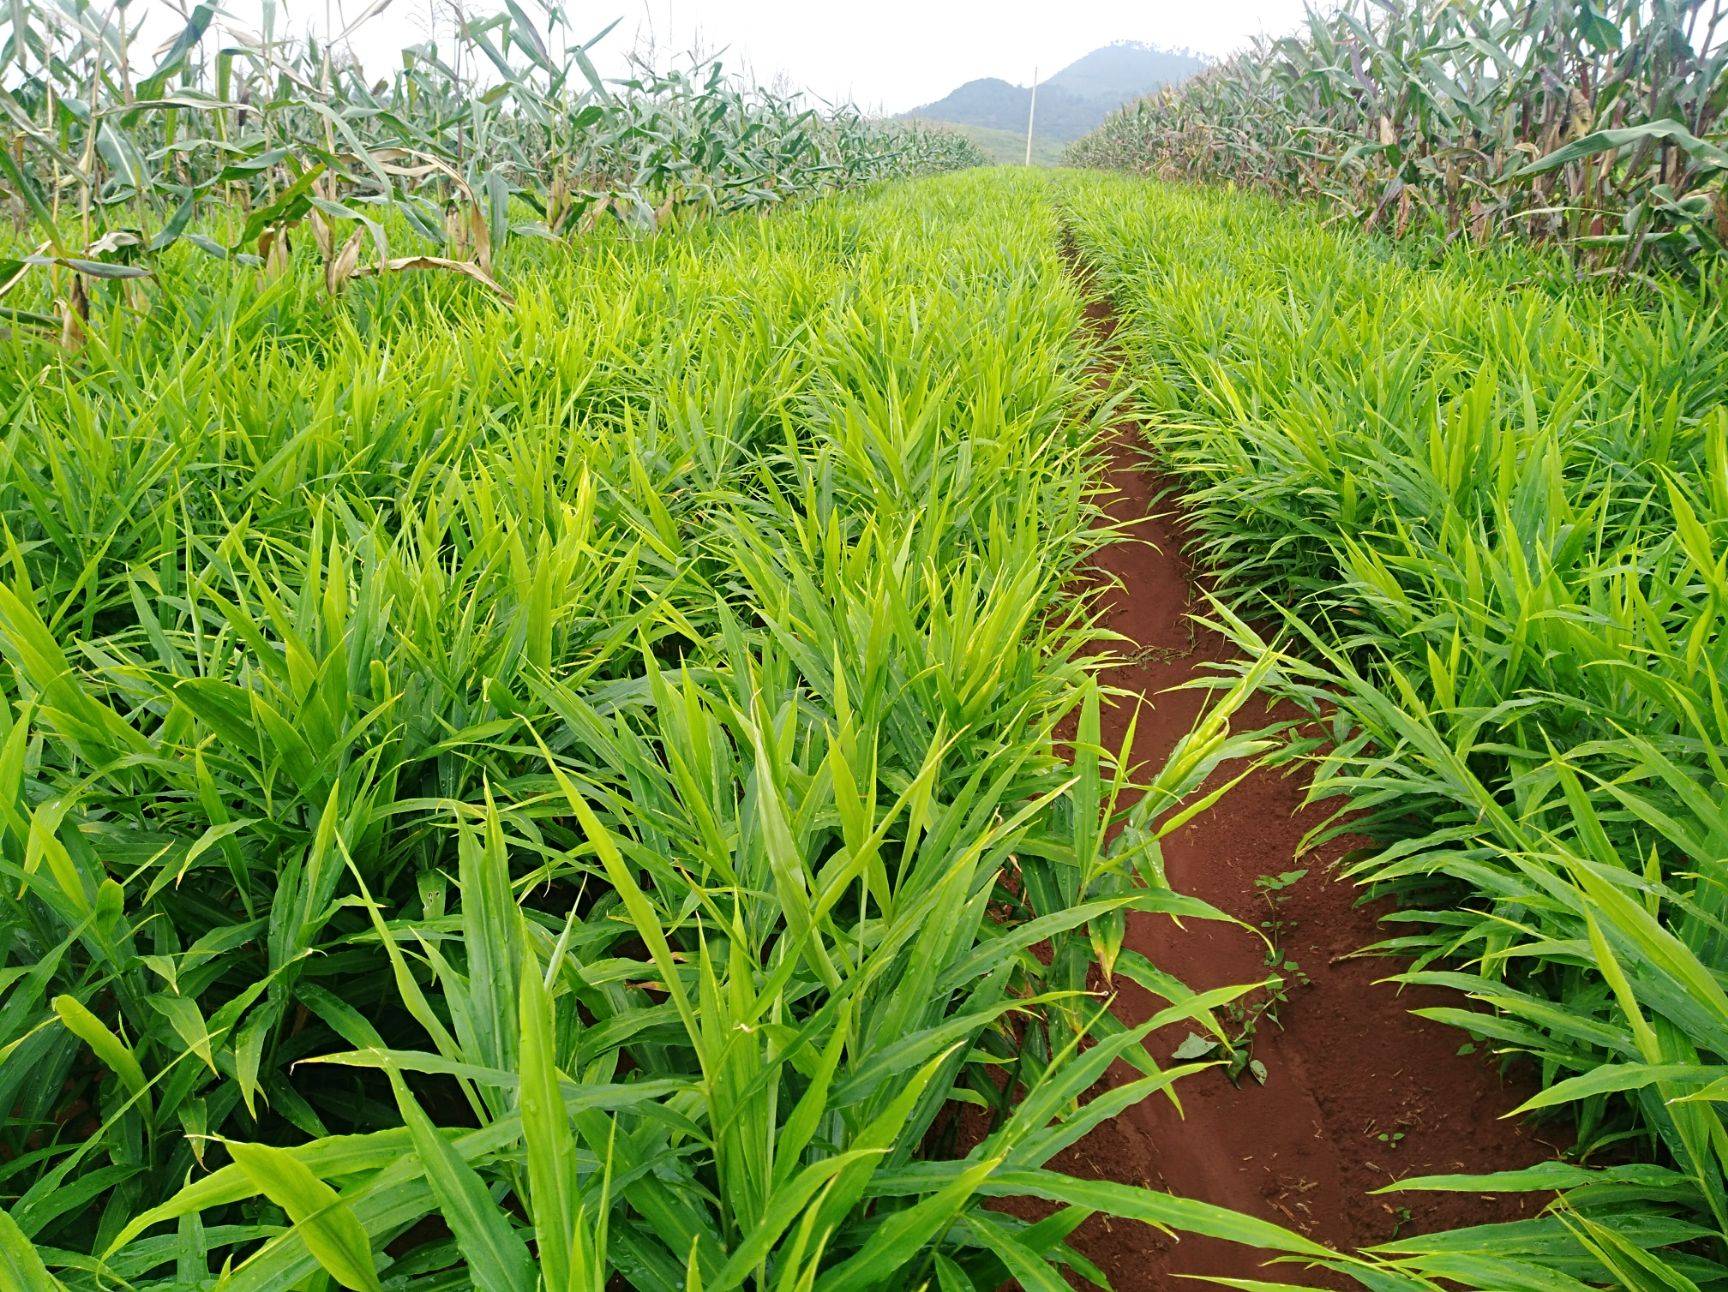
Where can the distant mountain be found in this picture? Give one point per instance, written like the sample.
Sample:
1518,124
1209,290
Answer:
998,105
1071,102
1125,70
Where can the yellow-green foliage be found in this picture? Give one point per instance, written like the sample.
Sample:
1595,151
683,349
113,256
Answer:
1490,519
577,773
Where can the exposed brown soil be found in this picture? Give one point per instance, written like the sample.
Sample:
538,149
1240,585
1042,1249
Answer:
1359,1091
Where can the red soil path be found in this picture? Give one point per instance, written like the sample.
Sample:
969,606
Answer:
1349,1065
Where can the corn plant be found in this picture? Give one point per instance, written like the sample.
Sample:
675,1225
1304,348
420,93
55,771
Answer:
1594,124
114,153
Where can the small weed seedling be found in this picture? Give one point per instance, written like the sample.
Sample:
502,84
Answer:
1264,1006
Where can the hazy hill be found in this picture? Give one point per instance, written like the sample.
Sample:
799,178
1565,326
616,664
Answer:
1072,101
998,105
1123,71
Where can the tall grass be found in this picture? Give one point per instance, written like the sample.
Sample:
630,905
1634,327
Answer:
1594,124
561,794
1488,520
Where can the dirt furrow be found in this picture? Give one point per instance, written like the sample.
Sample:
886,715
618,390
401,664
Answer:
1358,1091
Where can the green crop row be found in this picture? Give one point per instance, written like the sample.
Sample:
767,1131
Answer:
536,796
1596,123
1487,519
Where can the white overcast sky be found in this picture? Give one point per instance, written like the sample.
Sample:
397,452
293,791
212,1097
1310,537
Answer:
881,54
897,54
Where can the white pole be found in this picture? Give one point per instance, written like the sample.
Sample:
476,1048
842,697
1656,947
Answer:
1031,115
